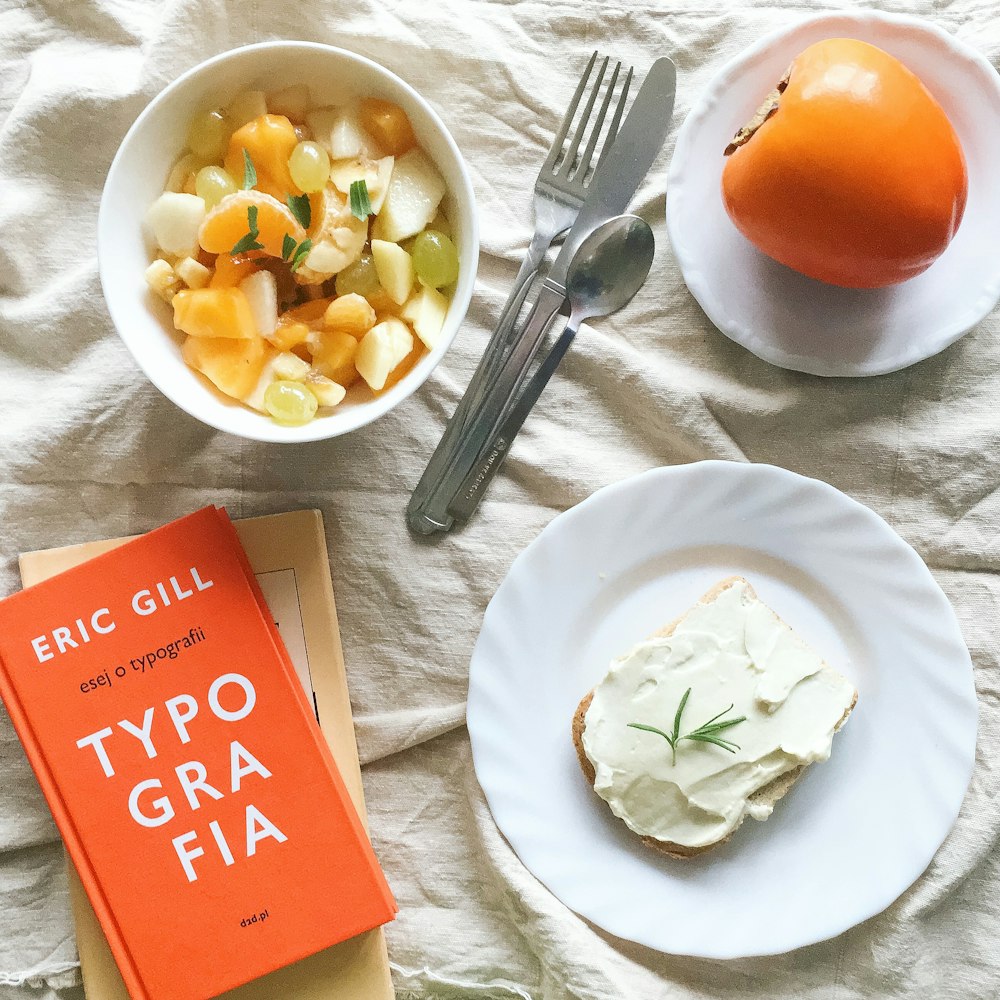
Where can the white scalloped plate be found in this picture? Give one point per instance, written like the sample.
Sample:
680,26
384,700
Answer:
793,321
853,833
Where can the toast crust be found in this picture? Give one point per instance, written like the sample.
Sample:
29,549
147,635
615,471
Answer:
768,794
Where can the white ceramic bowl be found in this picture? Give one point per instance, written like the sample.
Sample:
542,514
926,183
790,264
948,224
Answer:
138,175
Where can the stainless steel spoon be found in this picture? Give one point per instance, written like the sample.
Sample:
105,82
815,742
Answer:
607,271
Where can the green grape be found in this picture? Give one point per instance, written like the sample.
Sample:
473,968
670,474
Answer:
435,258
359,277
309,166
290,403
209,134
212,184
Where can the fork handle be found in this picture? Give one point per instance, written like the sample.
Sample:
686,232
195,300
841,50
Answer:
421,502
499,345
428,508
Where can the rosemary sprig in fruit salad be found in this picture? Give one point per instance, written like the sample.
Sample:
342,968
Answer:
303,250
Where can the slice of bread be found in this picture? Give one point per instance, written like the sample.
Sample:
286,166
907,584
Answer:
766,795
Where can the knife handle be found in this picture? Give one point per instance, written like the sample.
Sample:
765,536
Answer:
428,512
422,500
498,447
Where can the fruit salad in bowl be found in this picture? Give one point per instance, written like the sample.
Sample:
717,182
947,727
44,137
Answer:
308,251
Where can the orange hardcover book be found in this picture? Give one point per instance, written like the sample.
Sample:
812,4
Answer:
183,765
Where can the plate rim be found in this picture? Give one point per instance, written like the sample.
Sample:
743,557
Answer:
478,700
750,339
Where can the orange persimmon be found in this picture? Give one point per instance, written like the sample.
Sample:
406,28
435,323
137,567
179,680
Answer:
269,141
850,172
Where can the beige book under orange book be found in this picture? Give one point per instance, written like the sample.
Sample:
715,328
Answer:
288,555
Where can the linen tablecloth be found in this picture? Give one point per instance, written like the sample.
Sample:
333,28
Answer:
89,449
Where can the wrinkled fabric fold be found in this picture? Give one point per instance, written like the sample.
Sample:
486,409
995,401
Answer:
90,449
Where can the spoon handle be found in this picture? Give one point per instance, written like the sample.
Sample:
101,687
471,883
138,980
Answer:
490,459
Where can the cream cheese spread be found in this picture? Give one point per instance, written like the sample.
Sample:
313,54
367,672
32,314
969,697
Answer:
730,650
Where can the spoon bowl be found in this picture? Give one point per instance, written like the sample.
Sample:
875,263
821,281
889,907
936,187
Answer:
611,265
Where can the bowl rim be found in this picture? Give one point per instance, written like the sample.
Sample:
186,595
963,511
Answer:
360,416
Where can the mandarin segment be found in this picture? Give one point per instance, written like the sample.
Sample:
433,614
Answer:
351,314
269,141
229,222
310,313
230,271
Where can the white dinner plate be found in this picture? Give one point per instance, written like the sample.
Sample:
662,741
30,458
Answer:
796,322
853,833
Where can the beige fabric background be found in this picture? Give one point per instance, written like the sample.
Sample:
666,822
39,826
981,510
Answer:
89,449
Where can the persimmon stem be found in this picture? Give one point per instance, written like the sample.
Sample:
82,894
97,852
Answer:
767,108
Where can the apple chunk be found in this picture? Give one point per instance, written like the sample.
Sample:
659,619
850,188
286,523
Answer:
384,346
261,290
411,201
175,219
425,312
292,102
394,267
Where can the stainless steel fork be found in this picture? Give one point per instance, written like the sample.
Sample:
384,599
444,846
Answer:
560,190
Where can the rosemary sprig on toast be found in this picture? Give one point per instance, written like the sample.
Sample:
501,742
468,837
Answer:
707,732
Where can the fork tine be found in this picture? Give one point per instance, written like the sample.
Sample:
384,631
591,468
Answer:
557,142
581,128
616,120
595,133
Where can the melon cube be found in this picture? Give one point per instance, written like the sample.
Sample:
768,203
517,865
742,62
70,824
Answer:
233,366
214,312
333,354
